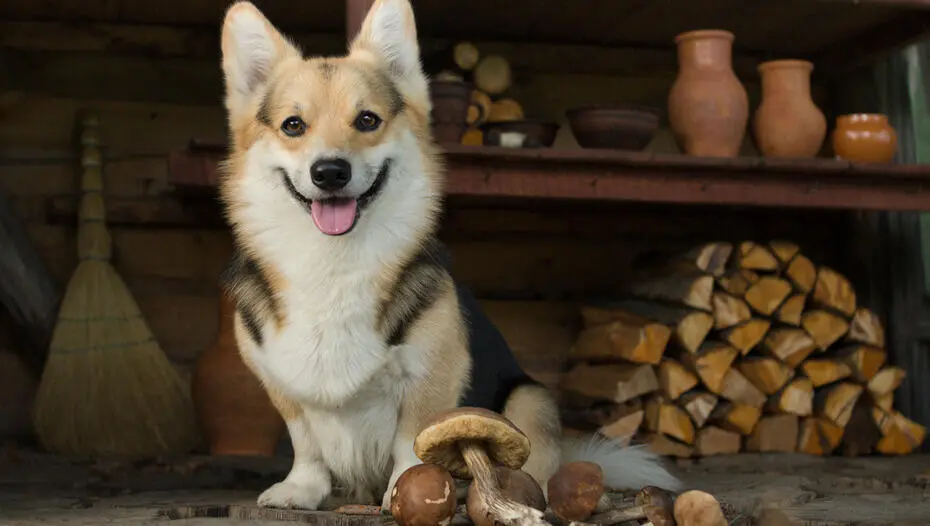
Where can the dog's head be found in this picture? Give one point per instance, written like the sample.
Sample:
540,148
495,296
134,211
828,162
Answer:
329,136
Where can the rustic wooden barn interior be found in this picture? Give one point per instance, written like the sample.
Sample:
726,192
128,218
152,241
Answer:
536,233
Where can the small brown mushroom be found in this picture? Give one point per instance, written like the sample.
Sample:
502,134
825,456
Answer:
515,484
576,491
424,495
658,506
469,441
697,508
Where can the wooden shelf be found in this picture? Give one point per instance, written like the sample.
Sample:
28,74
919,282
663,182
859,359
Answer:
608,175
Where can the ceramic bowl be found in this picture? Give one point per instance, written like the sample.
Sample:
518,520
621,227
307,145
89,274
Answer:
620,127
539,133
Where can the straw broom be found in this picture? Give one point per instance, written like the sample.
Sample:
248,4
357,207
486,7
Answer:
107,387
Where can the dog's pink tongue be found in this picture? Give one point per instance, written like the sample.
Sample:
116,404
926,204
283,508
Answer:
334,216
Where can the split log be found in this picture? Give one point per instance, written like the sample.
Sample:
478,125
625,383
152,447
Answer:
666,418
689,327
818,436
737,389
694,290
629,418
710,257
825,371
699,405
632,338
861,434
833,291
824,327
900,435
675,379
884,402
836,402
738,281
711,363
614,382
767,294
713,440
665,446
863,360
796,398
767,374
492,74
754,256
791,310
784,251
738,418
802,273
776,433
746,336
886,381
729,311
866,328
789,345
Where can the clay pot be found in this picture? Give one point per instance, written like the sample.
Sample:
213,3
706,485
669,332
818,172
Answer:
707,106
864,137
450,100
235,414
788,123
622,128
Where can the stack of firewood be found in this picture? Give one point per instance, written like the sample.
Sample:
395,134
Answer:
738,348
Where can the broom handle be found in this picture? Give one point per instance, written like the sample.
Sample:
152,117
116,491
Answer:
93,238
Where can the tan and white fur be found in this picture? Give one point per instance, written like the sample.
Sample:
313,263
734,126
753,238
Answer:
352,322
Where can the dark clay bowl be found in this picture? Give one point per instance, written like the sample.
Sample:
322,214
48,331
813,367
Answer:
620,128
539,133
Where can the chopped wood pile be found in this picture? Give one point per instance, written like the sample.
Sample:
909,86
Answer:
729,348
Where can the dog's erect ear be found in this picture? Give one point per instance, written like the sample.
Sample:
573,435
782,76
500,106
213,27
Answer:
389,36
251,48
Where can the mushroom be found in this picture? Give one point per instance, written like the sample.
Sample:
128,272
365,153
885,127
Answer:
576,491
424,495
515,484
469,441
658,506
697,508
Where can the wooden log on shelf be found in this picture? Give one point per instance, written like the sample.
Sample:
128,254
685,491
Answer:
900,435
836,402
861,434
738,281
788,344
784,251
866,328
711,363
774,433
864,361
824,327
886,381
738,418
665,446
834,292
699,405
617,382
665,418
675,379
689,327
627,418
767,374
884,402
631,338
711,258
693,289
791,310
713,440
767,294
802,273
729,311
818,436
745,337
823,371
795,398
737,389
754,256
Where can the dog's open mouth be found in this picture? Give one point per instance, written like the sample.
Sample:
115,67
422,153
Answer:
334,216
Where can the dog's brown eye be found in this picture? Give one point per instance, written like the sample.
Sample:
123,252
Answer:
293,126
366,121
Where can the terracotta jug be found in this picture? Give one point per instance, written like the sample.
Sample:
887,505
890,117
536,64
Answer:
707,105
234,411
864,137
787,122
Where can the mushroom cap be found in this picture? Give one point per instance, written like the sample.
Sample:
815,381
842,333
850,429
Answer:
575,490
438,442
424,495
515,484
698,508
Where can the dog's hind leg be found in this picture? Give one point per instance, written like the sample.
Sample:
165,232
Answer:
532,408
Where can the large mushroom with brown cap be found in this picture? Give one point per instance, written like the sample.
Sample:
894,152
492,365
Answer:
576,491
515,484
469,442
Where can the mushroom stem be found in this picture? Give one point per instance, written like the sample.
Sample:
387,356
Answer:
614,517
500,507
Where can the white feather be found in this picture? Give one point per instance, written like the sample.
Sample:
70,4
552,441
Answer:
625,466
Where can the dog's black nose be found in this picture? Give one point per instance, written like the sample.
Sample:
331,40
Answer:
330,174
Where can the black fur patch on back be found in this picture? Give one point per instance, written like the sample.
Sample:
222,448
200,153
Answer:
245,281
416,289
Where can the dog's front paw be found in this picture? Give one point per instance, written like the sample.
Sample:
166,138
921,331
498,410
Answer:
290,495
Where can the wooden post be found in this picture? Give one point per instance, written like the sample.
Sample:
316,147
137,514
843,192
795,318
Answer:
355,15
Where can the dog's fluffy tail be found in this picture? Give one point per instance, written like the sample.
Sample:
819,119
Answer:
625,466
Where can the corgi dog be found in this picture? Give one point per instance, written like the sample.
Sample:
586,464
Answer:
345,307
